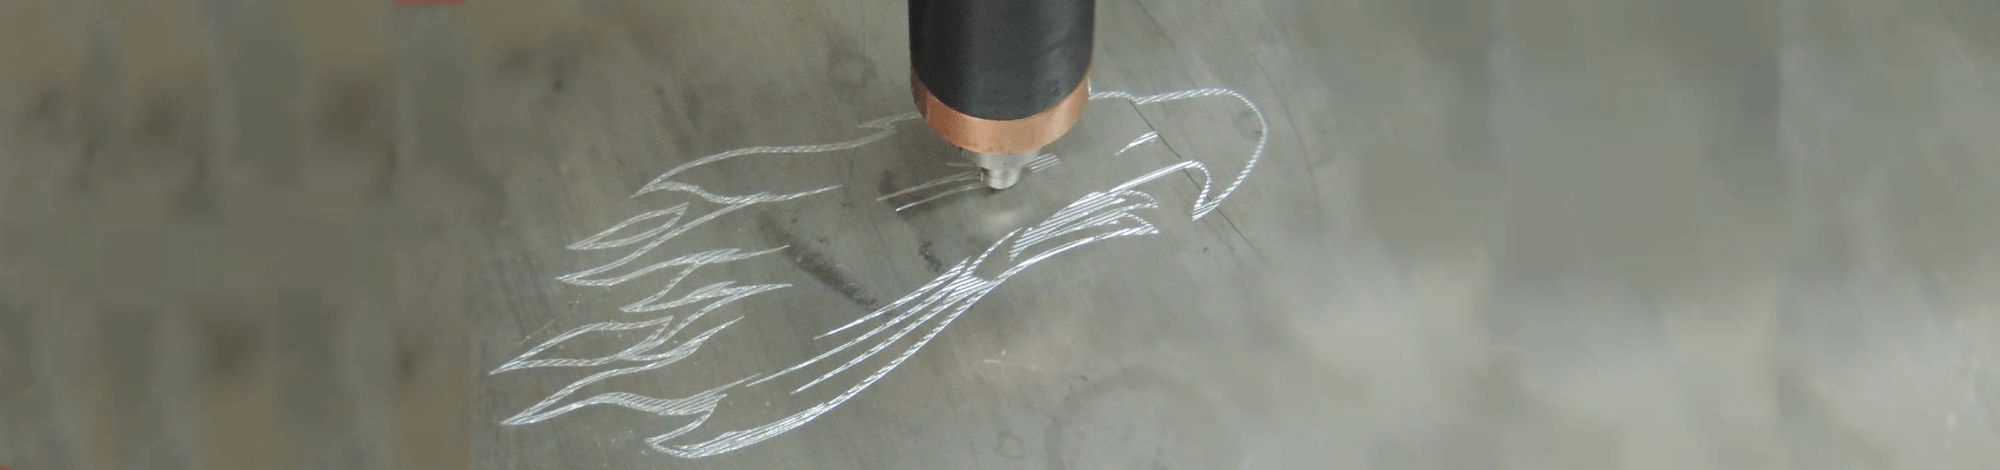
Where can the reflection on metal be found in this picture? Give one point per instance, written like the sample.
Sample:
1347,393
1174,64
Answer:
917,317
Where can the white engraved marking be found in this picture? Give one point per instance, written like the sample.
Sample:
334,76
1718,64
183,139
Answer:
1143,138
1042,162
955,190
1095,217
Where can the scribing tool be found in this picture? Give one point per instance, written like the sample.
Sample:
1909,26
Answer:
1001,79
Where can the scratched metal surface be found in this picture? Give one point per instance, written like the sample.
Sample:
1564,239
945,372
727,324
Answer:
1483,234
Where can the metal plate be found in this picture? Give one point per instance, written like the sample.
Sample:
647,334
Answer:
1522,234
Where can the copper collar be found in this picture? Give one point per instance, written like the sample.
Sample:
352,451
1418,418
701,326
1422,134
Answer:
1001,137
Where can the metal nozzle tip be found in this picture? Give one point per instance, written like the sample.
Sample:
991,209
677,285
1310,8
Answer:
1001,171
1000,178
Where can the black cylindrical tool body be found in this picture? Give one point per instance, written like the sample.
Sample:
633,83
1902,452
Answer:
1001,59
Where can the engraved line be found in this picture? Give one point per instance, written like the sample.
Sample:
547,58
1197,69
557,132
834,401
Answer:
1041,162
658,337
594,241
947,179
734,440
947,276
938,303
577,278
939,288
1044,162
941,194
1149,136
884,126
540,410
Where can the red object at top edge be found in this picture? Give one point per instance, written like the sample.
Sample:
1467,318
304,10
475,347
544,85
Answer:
423,2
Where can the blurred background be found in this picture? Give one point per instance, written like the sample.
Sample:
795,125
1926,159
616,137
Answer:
1530,234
